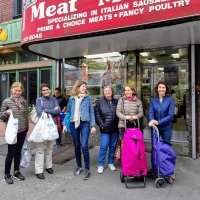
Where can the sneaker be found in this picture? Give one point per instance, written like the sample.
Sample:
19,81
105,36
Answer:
40,176
100,169
19,176
8,178
86,174
50,170
78,171
111,167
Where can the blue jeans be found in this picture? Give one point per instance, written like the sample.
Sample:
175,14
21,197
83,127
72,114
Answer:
80,137
107,140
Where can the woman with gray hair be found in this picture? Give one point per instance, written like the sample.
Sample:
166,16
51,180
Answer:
107,121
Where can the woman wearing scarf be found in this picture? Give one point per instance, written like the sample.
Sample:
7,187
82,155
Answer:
82,122
129,109
18,106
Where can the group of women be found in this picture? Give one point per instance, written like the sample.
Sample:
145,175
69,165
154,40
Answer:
111,115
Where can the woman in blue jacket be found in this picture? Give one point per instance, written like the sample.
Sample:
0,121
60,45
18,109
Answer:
161,111
82,122
161,114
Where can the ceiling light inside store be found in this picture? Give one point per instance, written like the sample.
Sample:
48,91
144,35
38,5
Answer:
152,60
103,55
175,55
160,68
144,54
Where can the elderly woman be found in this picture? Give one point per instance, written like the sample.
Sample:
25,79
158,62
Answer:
107,121
129,109
18,106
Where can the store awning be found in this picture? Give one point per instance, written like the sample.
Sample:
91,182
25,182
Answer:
71,29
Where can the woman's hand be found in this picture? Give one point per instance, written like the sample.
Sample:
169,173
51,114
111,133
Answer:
93,130
9,111
153,122
128,117
133,117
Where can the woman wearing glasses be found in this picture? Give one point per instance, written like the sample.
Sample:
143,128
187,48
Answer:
48,104
129,109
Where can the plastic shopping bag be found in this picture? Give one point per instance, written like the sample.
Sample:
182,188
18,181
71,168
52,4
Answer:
11,130
33,115
25,155
38,130
50,131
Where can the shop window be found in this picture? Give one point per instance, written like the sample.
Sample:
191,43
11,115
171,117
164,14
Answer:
29,81
17,8
3,86
98,71
45,76
8,58
26,56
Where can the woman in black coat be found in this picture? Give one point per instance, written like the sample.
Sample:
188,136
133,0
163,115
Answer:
107,121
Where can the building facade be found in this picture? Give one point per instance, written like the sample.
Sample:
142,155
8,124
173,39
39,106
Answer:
121,42
17,64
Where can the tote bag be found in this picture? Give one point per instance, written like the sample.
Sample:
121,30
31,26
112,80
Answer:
11,130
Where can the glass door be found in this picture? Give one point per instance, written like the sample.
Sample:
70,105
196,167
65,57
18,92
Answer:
170,66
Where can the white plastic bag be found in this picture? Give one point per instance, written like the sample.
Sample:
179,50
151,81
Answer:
25,155
33,115
11,130
38,130
50,131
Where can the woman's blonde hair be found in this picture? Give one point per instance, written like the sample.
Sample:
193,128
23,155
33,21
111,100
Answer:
75,89
17,84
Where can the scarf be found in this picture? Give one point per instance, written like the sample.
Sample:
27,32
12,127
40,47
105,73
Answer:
19,101
132,98
77,114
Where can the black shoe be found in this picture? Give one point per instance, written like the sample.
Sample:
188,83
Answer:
8,178
19,176
86,174
40,176
78,171
50,170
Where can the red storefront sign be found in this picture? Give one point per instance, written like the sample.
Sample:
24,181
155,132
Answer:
62,18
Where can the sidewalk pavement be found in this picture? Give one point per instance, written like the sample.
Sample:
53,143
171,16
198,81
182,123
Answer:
64,185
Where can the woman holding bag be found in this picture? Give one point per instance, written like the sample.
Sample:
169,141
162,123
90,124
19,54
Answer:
82,122
48,104
17,105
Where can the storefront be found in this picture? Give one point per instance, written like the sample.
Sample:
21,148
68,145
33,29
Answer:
123,42
17,64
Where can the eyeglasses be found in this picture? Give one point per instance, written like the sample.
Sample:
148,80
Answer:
45,90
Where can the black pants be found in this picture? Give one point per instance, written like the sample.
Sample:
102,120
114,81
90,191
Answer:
14,152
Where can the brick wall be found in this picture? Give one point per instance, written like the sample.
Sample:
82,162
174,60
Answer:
6,9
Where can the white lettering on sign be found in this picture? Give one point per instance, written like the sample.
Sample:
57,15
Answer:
170,5
102,2
41,11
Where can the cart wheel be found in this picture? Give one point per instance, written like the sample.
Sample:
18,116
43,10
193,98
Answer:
122,177
159,182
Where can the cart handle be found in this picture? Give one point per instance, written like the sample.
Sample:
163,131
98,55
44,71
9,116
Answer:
138,123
